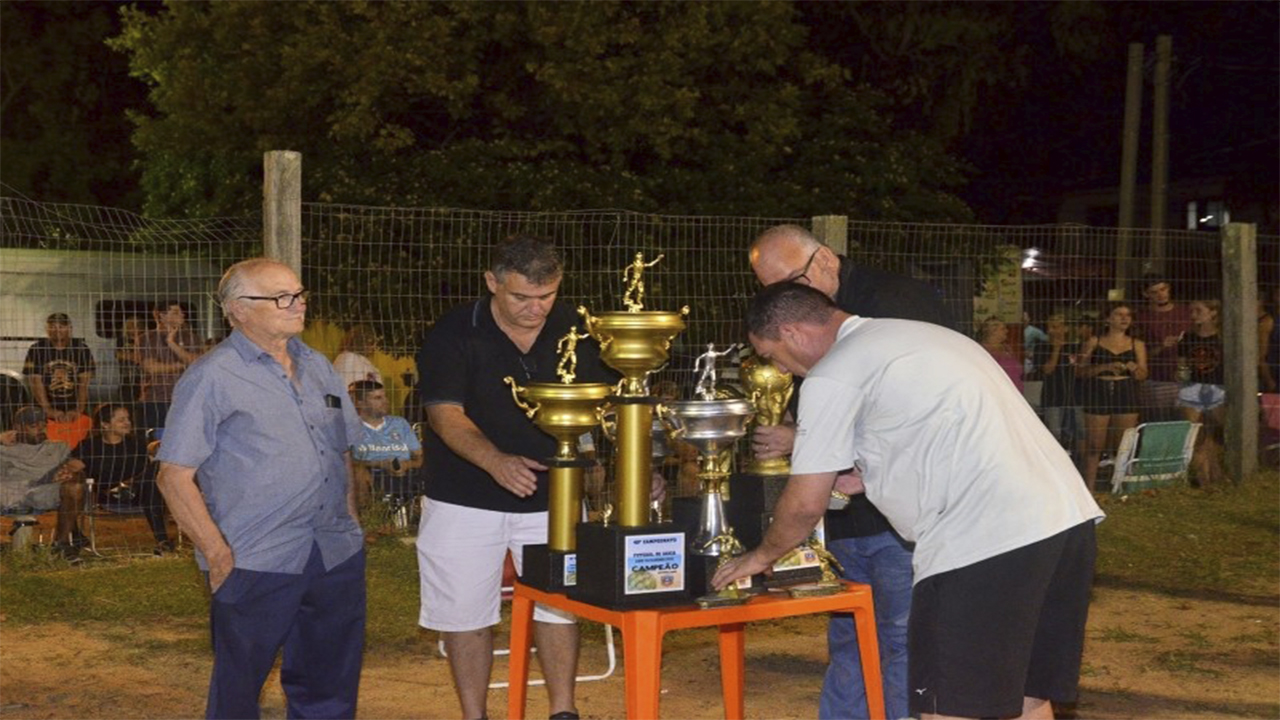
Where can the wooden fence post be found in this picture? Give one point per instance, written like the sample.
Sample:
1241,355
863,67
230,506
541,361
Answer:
833,231
282,207
1240,344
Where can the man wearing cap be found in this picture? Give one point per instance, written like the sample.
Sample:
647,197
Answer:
266,424
38,475
59,369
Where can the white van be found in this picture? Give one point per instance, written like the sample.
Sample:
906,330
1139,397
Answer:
99,291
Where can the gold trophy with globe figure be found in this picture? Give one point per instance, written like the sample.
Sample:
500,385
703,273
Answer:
756,492
565,411
632,562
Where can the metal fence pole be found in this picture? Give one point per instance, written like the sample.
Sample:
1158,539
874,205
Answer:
282,207
1240,345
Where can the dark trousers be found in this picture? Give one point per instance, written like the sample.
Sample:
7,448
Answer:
317,617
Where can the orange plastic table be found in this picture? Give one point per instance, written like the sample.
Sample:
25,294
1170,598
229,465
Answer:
642,632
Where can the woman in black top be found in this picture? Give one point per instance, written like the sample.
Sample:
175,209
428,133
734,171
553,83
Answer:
117,461
1110,365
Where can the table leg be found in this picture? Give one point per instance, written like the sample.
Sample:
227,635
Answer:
518,661
642,660
733,645
864,620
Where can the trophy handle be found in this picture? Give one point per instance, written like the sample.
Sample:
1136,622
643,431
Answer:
529,410
608,422
664,414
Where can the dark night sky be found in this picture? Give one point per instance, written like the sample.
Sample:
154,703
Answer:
1060,135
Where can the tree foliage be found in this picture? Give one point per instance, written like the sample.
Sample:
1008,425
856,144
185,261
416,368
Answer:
62,99
709,108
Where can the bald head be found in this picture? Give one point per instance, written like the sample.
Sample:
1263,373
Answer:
789,253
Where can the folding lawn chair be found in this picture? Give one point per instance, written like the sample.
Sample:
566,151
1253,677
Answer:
1154,455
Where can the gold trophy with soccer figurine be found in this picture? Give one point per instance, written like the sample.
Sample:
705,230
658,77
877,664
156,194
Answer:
565,410
630,561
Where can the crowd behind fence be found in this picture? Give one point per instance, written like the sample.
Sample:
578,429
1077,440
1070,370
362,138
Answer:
380,276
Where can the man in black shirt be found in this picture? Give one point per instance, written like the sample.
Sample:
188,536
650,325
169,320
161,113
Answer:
59,369
858,535
487,489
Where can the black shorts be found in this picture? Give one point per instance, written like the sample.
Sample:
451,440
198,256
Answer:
983,636
1111,397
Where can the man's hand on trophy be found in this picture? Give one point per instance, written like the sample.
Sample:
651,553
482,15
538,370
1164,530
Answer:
773,441
742,566
516,474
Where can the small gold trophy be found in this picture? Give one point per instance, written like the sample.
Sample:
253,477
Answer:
564,410
769,388
830,583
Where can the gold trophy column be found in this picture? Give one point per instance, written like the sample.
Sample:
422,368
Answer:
564,503
635,443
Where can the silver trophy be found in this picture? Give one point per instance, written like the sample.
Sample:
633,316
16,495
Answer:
711,426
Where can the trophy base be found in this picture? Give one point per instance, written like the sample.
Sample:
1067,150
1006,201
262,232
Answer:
629,568
686,512
548,570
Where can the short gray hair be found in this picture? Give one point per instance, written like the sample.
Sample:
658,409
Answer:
232,284
533,257
793,233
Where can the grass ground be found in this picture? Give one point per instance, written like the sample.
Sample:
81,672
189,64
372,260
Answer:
1188,583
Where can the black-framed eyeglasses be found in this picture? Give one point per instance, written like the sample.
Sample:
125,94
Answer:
804,271
284,301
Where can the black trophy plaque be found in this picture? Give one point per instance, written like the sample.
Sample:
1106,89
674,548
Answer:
629,568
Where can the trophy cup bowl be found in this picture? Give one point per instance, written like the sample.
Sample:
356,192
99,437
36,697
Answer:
769,387
563,411
710,426
634,343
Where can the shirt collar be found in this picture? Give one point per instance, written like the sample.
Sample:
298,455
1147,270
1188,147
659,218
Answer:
250,351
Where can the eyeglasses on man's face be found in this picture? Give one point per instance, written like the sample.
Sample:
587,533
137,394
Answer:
283,301
804,271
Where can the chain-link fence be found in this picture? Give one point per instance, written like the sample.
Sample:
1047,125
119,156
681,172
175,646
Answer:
380,277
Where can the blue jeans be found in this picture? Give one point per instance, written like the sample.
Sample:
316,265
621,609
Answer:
884,562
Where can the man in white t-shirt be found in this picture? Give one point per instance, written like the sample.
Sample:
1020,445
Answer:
946,447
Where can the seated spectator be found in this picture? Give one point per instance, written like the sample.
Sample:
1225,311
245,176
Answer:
38,475
1203,396
1111,365
994,336
353,362
389,449
116,460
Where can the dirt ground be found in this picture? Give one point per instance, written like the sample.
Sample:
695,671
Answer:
1148,655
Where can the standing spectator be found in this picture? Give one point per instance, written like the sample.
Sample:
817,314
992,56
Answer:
388,451
353,363
1203,398
116,460
266,423
59,370
488,489
165,352
957,460
1055,360
1159,325
1111,364
1269,343
38,474
129,358
994,338
858,535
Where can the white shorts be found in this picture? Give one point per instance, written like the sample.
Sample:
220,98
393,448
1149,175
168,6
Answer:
461,552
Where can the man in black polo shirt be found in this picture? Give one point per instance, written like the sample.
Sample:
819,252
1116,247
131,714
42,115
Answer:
487,492
858,535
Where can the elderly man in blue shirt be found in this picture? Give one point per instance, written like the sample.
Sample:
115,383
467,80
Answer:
265,424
